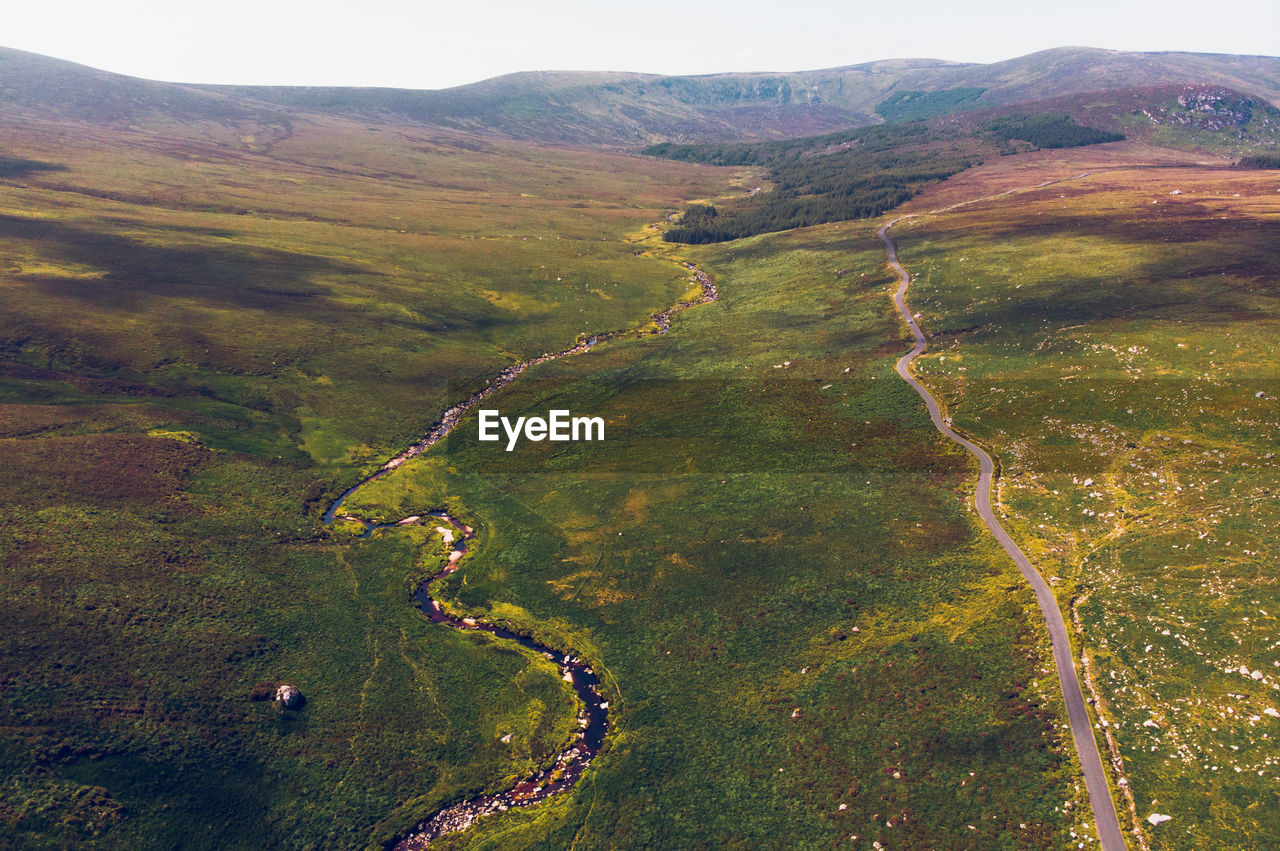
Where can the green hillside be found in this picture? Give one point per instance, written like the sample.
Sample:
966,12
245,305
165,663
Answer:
200,346
904,106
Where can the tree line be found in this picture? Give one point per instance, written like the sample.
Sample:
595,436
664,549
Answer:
855,174
1259,161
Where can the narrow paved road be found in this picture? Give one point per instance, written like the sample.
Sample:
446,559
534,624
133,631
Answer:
1104,810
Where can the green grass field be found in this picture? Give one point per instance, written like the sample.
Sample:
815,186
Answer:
807,640
805,636
200,344
290,284
1109,339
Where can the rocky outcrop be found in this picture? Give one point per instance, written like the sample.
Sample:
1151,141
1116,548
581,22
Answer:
288,696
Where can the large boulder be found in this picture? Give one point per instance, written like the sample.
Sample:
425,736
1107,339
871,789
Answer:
289,696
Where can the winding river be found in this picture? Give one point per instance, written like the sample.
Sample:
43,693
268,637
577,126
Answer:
593,716
593,711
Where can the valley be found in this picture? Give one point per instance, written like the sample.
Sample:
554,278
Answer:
245,334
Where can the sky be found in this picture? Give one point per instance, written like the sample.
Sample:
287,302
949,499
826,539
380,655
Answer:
429,44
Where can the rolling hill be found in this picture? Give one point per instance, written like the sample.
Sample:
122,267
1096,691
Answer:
628,109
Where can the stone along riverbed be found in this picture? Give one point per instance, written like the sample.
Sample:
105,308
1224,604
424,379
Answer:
593,712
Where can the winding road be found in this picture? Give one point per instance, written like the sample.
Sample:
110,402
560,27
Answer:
1104,810
463,814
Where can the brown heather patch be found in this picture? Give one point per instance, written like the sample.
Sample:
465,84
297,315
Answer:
95,468
24,420
636,502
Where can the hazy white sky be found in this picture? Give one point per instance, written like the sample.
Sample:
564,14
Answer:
432,44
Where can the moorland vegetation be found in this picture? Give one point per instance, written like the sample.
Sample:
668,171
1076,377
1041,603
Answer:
219,308
228,339
1104,339
200,346
858,174
1268,161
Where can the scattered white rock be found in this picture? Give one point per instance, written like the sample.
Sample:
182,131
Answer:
1159,818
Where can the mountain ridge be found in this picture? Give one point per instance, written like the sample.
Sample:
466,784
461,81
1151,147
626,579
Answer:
627,109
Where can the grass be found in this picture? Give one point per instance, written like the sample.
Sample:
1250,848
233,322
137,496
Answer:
772,559
858,174
1105,338
259,281
804,633
915,105
129,668
199,346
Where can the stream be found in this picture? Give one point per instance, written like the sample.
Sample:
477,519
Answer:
593,711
